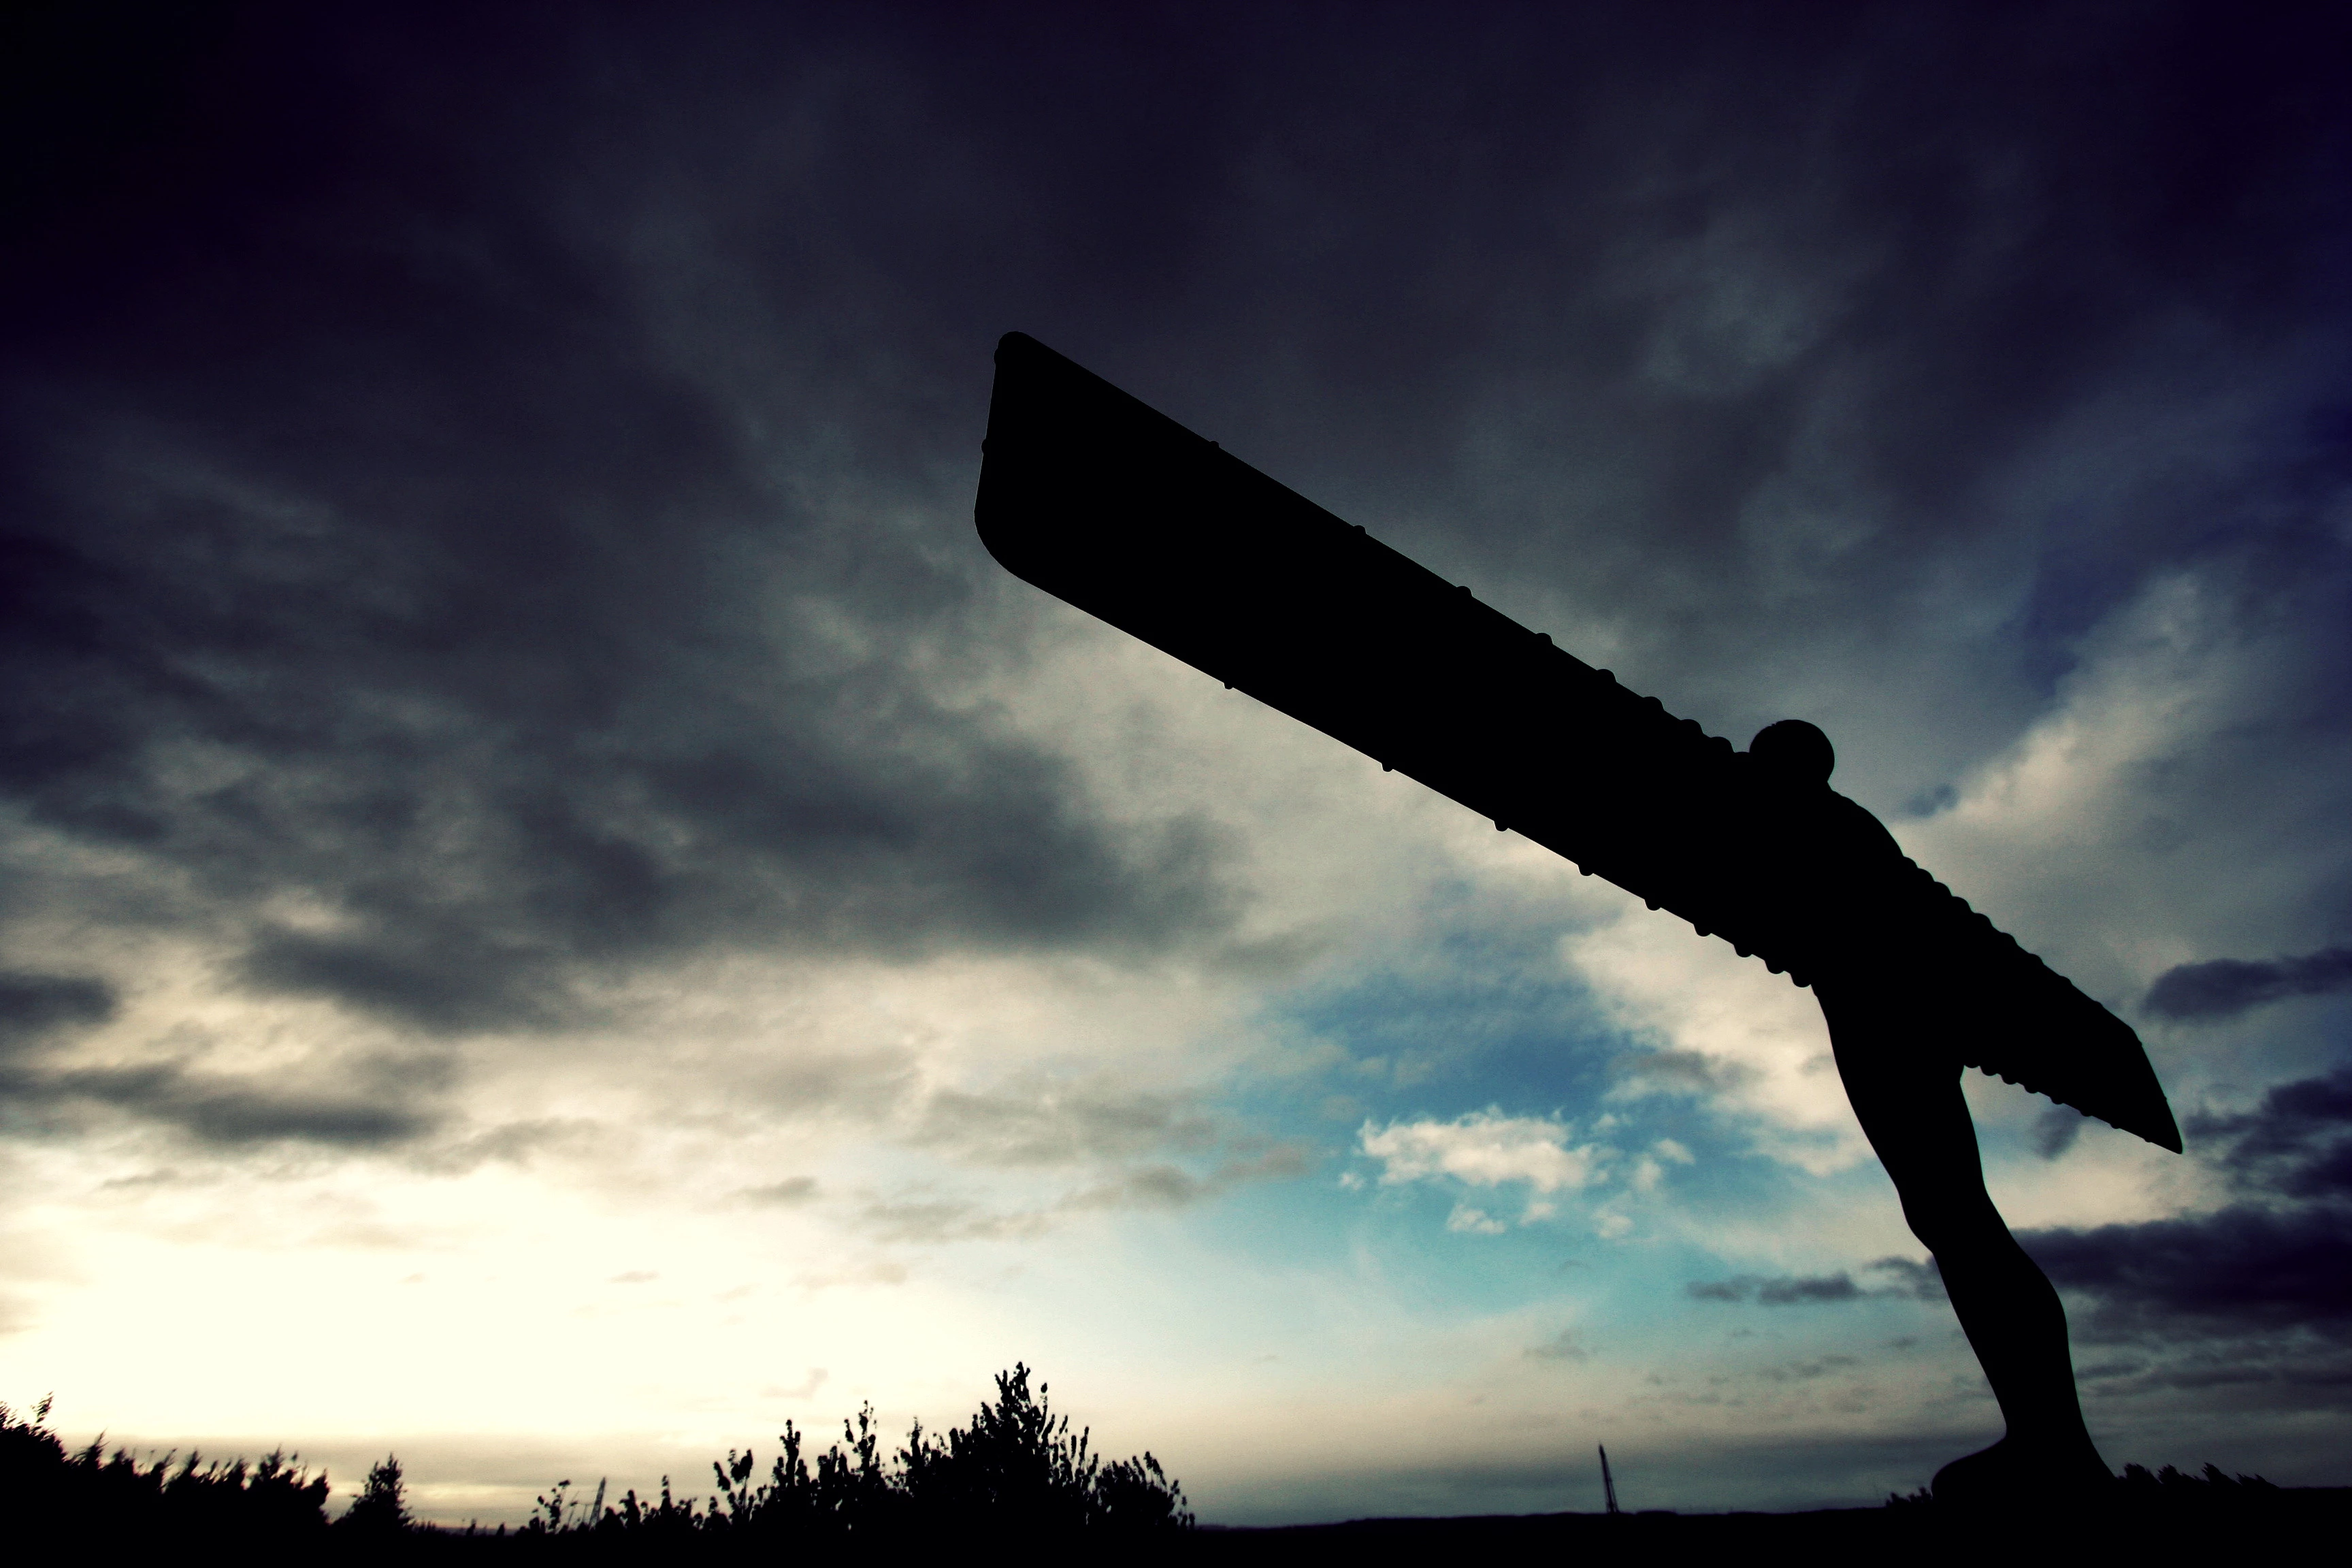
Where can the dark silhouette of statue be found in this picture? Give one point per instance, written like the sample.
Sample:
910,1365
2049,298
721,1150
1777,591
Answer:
1096,499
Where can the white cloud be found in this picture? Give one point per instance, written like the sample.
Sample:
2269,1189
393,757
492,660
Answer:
1486,1149
2171,806
1722,1027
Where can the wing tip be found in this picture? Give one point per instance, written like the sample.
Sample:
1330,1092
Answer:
2154,1125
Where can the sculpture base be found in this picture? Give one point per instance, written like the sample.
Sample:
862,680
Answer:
2008,1476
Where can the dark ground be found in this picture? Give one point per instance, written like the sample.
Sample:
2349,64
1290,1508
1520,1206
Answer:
2269,1524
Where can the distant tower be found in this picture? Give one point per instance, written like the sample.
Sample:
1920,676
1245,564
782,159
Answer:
1607,1483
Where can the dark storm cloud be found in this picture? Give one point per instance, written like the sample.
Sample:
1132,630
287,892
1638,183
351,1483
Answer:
1705,318
2296,1144
370,542
499,479
2256,1294
2245,1269
2223,987
2248,1291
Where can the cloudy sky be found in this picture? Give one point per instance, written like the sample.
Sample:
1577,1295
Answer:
558,911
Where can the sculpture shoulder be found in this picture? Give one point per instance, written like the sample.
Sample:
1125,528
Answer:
1852,821
1832,849
1818,821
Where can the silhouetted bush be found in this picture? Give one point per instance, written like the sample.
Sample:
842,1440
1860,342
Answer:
380,1510
1015,1472
2169,1490
2166,1490
93,1495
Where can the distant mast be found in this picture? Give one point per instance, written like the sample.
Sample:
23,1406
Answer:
1607,1483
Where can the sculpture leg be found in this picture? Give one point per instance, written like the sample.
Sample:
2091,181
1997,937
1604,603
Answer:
1906,1091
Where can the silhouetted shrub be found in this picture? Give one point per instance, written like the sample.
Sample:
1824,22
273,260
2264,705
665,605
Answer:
1016,1465
1014,1473
2169,1489
382,1507
93,1495
2172,1490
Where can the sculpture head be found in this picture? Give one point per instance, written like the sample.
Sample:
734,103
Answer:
1795,751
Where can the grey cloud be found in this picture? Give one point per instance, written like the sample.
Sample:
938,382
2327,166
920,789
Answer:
33,1006
1155,1185
1061,1124
1902,1277
2244,1269
1151,1186
2251,1303
1910,1277
2223,987
789,1193
2296,1144
856,1084
1171,1186
2056,1129
1778,1292
378,1101
1805,1371
945,1220
2272,1264
163,1176
224,1111
1686,1072
1124,1137
1562,1346
515,1142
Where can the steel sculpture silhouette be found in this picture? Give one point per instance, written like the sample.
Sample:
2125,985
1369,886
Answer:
1102,502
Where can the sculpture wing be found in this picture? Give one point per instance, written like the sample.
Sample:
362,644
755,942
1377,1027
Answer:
1102,502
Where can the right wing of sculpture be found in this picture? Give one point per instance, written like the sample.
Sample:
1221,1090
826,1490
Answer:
1102,502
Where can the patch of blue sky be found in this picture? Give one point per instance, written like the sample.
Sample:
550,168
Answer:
1485,1017
1477,1011
1331,1271
1480,1024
